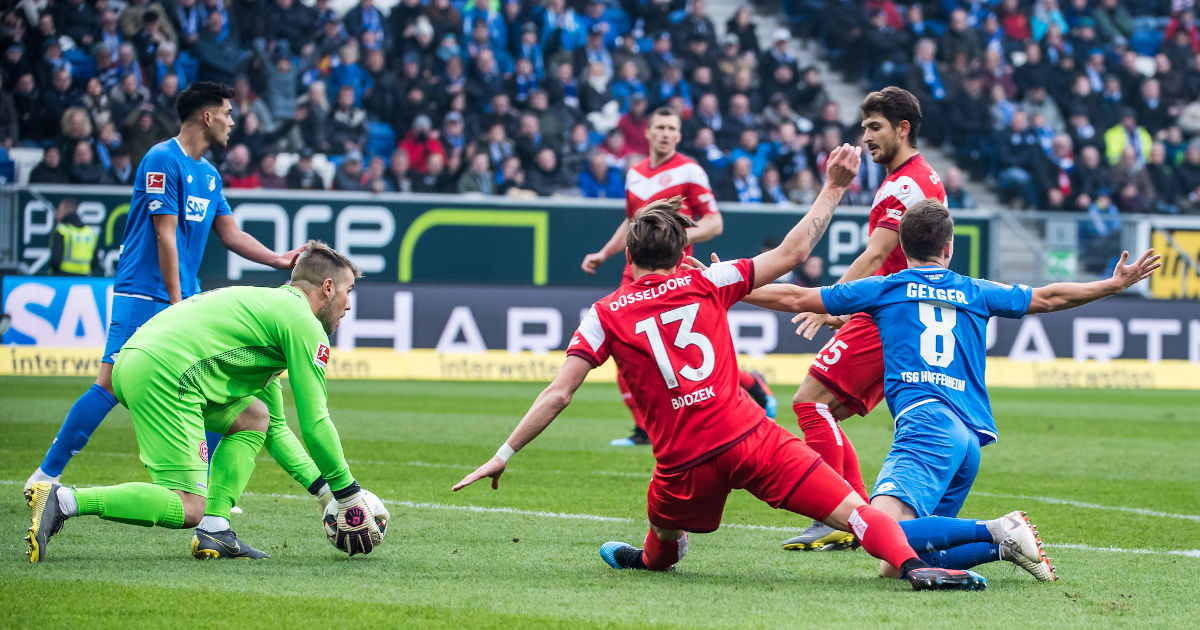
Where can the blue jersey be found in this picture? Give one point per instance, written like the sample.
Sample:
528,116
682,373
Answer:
932,323
168,181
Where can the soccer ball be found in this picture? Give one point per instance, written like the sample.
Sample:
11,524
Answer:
329,518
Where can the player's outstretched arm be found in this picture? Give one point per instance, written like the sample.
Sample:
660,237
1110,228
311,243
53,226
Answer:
615,244
1064,295
879,245
545,409
786,298
707,228
239,242
840,169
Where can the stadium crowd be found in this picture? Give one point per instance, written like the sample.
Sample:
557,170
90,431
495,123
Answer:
1090,106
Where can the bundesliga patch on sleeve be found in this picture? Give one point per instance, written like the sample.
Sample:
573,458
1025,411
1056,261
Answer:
156,182
321,358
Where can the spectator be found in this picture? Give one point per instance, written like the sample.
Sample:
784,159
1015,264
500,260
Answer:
121,171
106,69
109,35
96,103
511,179
709,156
772,188
147,41
84,169
779,54
545,178
283,83
421,142
238,170
670,84
302,175
594,51
811,97
50,170
577,151
616,151
957,197
1018,153
803,188
166,103
1167,187
364,18
596,91
1113,22
60,97
708,115
312,116
970,126
1152,110
435,179
1058,174
1036,71
1001,109
142,129
375,178
1091,177
811,274
291,22
400,179
959,38
632,126
128,97
697,25
27,103
601,181
349,174
478,177
267,177
1036,102
741,25
523,81
759,153
249,132
530,139
1127,133
220,56
925,81
745,184
453,140
791,151
347,122
563,88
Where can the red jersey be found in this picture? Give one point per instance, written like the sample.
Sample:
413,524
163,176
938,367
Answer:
677,176
670,336
913,182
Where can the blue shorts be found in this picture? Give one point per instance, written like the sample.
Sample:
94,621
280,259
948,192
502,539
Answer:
128,314
933,461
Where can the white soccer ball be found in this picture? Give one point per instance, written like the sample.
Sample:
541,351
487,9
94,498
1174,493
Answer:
329,518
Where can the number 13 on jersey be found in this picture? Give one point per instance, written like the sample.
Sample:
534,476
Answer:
684,337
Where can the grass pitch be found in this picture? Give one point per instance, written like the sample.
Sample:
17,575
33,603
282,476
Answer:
1108,476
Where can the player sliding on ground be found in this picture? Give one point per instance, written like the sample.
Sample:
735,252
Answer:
204,363
669,327
932,322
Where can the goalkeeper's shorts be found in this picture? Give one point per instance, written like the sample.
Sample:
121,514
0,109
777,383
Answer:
169,421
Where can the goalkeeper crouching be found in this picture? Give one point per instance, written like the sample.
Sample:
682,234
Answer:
210,362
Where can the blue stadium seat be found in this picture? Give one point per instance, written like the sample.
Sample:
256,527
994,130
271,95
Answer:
382,140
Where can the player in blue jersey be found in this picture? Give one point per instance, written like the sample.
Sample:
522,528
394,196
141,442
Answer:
177,201
932,322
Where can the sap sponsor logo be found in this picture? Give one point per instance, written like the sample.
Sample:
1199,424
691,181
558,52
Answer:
156,183
923,292
696,397
155,205
649,294
57,312
321,357
197,208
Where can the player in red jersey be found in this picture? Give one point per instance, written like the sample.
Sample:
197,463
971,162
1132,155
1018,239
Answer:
846,378
666,173
670,325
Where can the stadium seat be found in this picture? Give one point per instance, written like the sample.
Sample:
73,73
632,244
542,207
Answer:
382,139
25,159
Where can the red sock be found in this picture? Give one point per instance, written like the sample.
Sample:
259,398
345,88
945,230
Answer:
627,398
850,469
660,555
822,433
745,380
881,535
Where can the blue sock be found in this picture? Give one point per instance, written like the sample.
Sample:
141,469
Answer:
213,440
81,422
938,532
963,556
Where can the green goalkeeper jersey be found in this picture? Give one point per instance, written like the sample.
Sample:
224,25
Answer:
232,343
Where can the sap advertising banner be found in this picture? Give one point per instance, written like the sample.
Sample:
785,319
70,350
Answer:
519,333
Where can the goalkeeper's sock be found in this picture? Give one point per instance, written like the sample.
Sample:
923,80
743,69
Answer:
963,556
81,422
938,532
143,504
822,433
231,467
213,524
881,536
661,555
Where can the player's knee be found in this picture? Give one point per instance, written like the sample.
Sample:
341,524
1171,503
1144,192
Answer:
193,508
253,418
667,535
812,391
104,379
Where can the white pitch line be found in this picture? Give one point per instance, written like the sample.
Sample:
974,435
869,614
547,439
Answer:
478,509
1091,506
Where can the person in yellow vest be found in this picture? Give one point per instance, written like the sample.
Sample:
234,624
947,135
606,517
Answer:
72,244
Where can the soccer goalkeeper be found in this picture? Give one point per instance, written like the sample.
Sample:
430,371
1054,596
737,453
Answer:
208,363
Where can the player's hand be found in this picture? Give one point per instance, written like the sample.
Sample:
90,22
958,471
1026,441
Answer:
288,260
691,262
842,165
493,468
591,262
357,531
807,324
1127,275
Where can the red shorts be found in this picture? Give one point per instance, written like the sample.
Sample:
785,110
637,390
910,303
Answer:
851,365
770,463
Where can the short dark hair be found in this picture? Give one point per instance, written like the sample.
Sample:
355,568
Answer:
896,105
319,261
201,95
925,229
658,234
663,111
